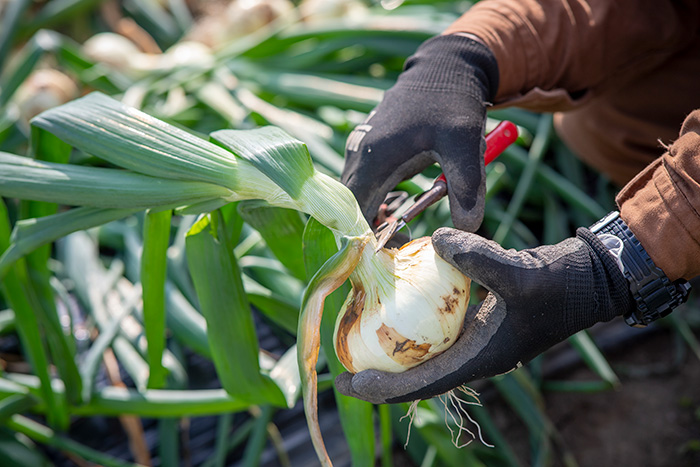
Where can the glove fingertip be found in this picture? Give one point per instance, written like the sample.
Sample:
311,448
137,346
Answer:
365,385
448,242
480,259
467,220
343,383
375,386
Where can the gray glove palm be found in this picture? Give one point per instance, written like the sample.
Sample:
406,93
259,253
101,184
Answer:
537,298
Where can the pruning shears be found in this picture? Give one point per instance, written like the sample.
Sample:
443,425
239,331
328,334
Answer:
502,136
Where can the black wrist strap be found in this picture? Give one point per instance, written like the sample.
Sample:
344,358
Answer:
655,295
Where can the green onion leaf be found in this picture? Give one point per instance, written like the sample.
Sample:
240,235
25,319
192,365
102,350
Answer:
217,279
156,239
281,158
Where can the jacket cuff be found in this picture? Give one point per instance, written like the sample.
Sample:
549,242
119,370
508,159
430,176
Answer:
661,205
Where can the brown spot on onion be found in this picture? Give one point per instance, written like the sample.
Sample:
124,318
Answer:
401,349
348,322
451,302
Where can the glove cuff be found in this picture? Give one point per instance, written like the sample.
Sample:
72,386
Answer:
452,63
611,287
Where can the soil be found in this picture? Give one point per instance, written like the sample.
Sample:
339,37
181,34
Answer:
652,419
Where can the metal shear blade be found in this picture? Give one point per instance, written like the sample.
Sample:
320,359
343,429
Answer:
387,231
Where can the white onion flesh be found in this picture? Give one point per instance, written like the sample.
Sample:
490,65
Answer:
398,327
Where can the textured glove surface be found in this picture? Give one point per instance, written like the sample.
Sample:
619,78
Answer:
435,112
537,298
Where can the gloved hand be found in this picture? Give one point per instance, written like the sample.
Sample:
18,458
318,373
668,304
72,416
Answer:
537,298
435,112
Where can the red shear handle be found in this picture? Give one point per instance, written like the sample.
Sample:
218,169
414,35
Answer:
497,141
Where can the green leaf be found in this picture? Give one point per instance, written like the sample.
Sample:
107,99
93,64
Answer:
312,89
227,442
190,327
151,403
7,322
258,438
29,234
90,364
271,274
26,59
356,416
25,178
60,343
276,308
234,222
155,19
282,230
186,323
49,148
202,207
284,160
516,157
80,257
686,332
16,403
45,435
14,450
517,390
169,441
23,299
286,374
575,386
95,75
539,146
312,132
387,440
217,279
58,11
223,429
593,357
129,138
429,425
156,239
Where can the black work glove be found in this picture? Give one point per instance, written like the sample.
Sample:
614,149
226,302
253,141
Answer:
435,112
537,298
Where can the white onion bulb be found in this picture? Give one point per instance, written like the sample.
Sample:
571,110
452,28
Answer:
42,90
396,327
113,50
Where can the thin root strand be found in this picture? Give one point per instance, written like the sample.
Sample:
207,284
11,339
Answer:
455,406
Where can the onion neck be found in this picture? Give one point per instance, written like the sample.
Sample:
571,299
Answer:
375,272
333,205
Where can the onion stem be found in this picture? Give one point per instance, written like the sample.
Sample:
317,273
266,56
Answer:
334,206
332,275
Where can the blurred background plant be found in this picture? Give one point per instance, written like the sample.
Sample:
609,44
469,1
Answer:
108,356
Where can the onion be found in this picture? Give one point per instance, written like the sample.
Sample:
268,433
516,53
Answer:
42,90
416,317
114,50
316,11
221,25
405,306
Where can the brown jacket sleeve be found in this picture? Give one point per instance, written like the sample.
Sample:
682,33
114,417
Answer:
552,53
661,205
556,54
